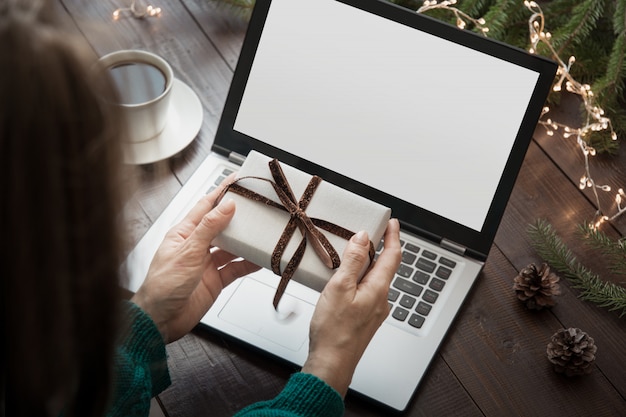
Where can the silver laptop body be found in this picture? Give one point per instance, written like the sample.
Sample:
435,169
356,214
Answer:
428,119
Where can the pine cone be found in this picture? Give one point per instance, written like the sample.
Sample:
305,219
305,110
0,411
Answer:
572,352
535,287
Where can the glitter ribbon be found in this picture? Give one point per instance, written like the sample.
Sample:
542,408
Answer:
309,227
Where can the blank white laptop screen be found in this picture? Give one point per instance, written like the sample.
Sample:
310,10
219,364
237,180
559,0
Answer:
439,105
422,117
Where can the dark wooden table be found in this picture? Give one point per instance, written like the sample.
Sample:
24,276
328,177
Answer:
493,360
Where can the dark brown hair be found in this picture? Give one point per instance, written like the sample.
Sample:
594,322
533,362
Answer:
60,209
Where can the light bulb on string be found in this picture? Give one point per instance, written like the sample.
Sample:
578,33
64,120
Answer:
595,119
138,12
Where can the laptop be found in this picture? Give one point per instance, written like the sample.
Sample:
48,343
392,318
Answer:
418,115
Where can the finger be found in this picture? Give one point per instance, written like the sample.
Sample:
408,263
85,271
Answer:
389,259
221,257
211,224
211,288
237,269
206,203
355,258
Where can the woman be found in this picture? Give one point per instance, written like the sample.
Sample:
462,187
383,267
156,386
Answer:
70,346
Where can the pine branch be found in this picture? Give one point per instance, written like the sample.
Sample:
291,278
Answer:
619,17
241,7
552,249
584,19
502,15
475,8
613,251
613,80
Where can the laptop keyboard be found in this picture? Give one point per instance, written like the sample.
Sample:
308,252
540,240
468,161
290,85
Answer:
418,282
225,172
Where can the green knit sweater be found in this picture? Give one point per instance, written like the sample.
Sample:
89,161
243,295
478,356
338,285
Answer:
141,366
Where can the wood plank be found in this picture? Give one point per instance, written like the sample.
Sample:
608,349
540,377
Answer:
213,377
223,26
209,373
497,351
557,202
493,360
177,38
605,169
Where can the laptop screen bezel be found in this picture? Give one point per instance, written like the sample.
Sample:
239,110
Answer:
413,218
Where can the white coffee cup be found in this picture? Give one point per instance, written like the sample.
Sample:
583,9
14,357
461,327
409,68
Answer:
144,83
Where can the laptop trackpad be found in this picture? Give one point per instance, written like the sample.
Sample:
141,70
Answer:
250,307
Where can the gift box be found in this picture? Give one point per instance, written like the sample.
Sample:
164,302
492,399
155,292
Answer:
269,231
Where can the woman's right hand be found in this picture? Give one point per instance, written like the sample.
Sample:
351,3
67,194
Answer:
350,311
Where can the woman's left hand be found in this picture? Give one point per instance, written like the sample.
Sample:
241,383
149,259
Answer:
187,273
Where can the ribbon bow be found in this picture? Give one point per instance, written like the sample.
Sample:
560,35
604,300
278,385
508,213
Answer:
309,227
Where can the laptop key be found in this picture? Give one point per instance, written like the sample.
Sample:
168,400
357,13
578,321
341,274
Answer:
408,286
443,272
437,284
404,271
430,296
423,308
426,265
416,321
447,262
393,295
400,314
407,301
413,248
408,257
430,255
421,277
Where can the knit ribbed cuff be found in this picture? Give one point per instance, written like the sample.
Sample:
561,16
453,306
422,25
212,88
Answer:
307,395
141,335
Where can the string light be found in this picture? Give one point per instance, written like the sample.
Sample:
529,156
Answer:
594,117
138,12
461,18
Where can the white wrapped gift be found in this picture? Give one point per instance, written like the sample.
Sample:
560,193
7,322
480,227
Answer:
257,227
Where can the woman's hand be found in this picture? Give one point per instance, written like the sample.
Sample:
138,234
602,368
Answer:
350,311
187,274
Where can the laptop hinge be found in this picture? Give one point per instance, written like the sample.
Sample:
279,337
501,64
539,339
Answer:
453,247
236,158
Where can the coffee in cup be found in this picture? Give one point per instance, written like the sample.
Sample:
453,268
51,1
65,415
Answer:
144,83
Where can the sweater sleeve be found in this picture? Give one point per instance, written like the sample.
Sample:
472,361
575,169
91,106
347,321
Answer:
305,395
140,364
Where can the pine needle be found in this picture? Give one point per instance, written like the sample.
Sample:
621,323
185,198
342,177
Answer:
613,252
243,8
552,249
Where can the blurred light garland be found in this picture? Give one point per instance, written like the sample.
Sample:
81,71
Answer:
594,118
138,12
461,17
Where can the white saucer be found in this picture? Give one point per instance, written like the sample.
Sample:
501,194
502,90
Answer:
183,124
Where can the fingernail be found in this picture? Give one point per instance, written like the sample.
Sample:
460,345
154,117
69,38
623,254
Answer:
227,205
360,238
